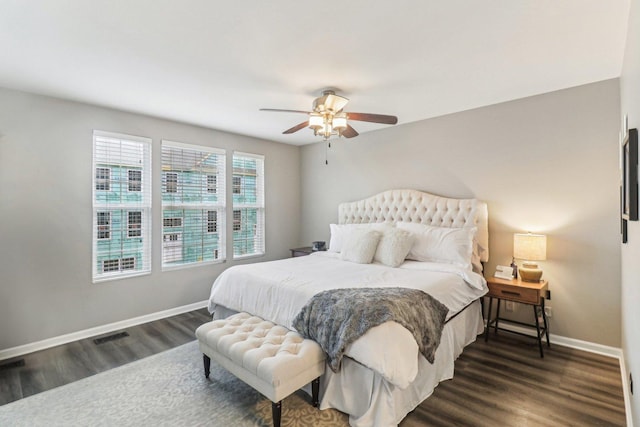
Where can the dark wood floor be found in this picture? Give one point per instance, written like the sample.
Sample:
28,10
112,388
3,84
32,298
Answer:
503,382
47,369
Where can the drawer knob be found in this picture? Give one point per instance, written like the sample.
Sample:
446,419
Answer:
511,293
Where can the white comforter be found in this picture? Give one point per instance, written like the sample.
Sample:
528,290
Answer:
277,291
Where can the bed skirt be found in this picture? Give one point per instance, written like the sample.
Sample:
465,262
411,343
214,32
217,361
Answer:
370,400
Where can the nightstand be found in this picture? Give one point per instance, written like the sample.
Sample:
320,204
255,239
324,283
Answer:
301,251
530,293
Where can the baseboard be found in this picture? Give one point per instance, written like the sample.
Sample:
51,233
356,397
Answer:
568,342
98,330
626,390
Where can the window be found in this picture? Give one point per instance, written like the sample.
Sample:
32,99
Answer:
193,204
237,220
134,225
172,222
171,247
212,221
104,225
135,180
170,182
128,263
248,205
237,184
121,206
110,265
103,179
212,184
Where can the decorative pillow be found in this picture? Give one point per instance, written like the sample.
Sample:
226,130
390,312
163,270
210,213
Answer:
360,246
394,246
340,232
440,244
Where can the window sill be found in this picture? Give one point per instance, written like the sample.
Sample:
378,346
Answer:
248,256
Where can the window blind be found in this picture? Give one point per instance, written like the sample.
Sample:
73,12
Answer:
248,205
193,204
121,206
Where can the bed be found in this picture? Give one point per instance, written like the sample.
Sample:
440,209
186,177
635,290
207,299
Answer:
383,375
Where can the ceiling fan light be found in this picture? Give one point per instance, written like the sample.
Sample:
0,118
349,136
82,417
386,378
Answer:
340,121
316,121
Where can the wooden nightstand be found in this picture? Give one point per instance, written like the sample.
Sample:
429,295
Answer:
516,290
301,251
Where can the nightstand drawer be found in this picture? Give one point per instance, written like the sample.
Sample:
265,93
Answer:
514,293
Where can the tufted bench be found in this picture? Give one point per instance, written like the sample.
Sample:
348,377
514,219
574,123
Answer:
270,358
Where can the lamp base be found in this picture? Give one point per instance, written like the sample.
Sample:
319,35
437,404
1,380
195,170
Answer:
529,272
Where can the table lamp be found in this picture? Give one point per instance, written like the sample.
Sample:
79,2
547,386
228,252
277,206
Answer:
530,247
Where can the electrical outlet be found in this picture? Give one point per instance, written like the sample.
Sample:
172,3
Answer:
509,305
547,312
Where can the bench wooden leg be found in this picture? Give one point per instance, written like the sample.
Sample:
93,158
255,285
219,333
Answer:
207,365
315,390
276,412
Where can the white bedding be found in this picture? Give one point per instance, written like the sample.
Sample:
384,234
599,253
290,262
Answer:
278,290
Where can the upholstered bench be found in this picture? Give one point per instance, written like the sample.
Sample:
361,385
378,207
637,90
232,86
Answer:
270,358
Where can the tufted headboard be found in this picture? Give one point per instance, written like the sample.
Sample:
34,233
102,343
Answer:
423,208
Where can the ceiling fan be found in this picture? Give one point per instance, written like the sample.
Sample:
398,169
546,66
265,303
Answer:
328,117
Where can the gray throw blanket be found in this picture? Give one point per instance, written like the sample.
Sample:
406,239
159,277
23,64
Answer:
338,317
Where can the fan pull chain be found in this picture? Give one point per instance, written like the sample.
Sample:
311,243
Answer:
326,153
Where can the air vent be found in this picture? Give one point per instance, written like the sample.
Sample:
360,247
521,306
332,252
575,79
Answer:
11,365
111,337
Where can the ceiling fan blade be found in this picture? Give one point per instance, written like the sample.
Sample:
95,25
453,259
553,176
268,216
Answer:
277,110
349,132
373,118
296,128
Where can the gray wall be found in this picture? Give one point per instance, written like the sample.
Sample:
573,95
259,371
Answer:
630,100
46,225
547,164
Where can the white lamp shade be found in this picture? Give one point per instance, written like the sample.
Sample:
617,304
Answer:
340,121
315,121
530,247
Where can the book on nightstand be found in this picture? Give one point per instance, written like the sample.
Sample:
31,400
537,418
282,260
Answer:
504,272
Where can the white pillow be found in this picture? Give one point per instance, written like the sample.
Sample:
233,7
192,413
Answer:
440,244
476,262
340,232
360,246
394,246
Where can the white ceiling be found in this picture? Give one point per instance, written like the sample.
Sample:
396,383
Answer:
215,63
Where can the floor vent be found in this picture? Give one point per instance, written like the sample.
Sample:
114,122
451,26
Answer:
111,337
11,365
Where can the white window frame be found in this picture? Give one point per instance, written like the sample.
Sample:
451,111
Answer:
259,205
126,152
182,201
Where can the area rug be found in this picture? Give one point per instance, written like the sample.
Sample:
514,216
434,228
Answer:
167,389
